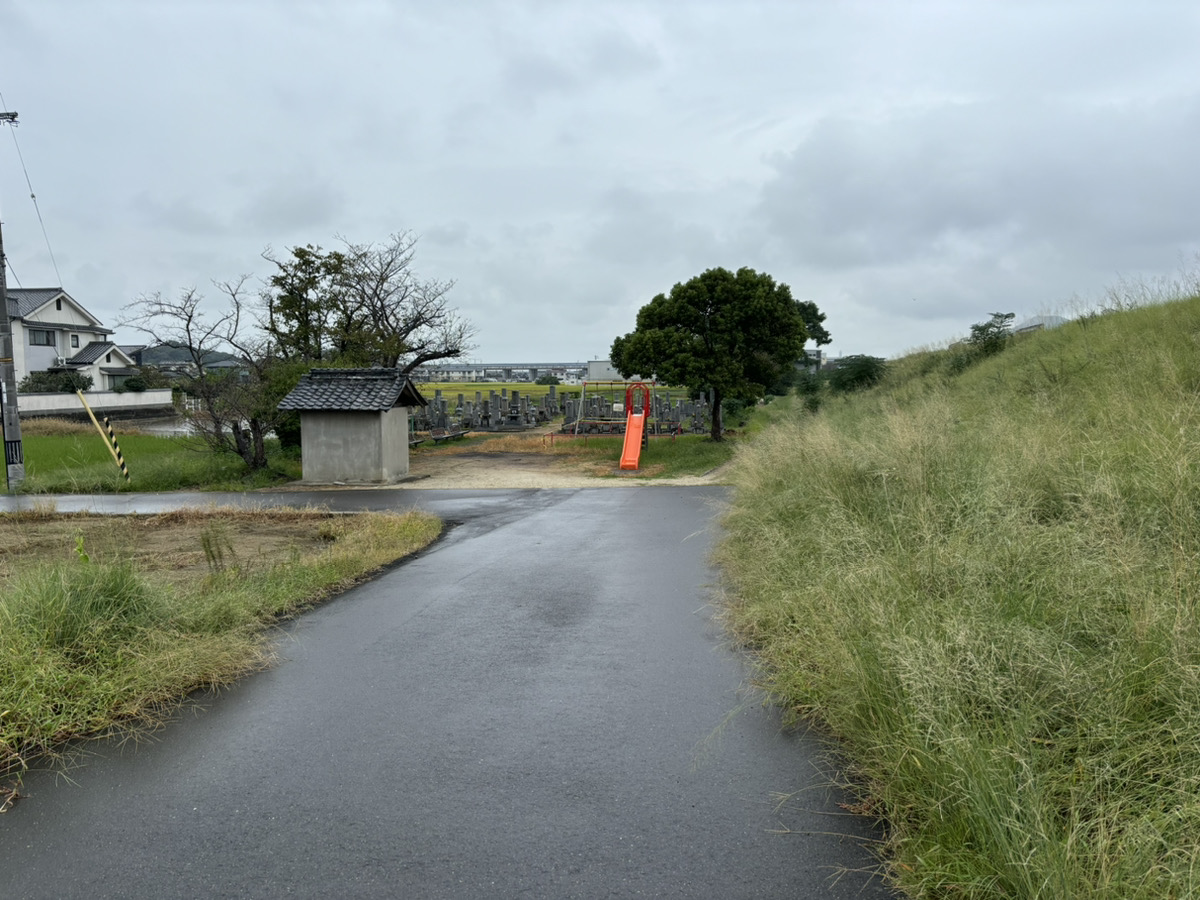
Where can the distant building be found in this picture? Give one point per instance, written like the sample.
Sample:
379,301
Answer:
53,332
1038,323
440,372
603,370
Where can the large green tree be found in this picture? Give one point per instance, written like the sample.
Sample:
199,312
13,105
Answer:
731,333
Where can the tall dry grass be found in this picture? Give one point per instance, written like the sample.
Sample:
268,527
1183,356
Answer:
986,586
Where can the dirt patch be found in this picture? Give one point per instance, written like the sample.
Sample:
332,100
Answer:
468,471
173,547
532,459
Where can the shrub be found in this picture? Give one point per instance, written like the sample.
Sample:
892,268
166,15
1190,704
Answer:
856,372
992,336
61,382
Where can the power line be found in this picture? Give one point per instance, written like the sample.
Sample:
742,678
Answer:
32,195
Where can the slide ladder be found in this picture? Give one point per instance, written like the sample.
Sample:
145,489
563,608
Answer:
635,427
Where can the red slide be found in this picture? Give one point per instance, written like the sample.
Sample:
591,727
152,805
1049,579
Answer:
632,451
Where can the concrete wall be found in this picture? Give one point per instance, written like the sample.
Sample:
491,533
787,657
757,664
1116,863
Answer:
101,402
394,425
354,447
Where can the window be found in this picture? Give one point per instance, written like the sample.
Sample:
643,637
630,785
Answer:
75,341
58,304
40,338
108,357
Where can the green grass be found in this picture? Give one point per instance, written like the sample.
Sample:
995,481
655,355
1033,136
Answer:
98,643
451,389
81,463
986,585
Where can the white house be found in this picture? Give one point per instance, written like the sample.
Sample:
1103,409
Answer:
52,331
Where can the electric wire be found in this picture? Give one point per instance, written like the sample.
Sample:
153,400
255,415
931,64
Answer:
33,197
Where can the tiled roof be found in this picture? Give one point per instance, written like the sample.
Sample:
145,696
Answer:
91,353
23,301
366,390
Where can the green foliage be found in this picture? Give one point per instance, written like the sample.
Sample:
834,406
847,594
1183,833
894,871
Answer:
985,586
992,336
302,303
154,378
548,378
854,373
732,411
66,381
732,333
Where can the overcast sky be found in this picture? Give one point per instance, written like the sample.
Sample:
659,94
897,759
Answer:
911,167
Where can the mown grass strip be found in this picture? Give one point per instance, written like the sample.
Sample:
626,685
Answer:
80,463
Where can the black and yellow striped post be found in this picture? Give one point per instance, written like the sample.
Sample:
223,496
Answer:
110,439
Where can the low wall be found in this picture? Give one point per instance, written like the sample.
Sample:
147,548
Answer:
130,404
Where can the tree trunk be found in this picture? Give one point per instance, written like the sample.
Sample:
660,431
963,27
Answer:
242,442
716,416
259,448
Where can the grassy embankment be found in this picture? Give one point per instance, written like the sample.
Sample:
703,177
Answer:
985,581
106,622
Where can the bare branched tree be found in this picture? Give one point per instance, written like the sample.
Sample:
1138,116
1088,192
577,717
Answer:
237,406
409,319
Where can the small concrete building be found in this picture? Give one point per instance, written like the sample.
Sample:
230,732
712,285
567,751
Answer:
353,424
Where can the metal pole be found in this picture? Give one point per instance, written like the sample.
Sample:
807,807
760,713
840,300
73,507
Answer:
14,454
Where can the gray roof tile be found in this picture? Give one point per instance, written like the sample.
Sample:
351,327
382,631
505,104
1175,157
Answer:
366,390
23,301
91,353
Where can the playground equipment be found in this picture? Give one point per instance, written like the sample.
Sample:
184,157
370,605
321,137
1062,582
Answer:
635,425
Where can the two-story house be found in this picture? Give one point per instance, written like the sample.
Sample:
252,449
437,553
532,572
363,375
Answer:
52,331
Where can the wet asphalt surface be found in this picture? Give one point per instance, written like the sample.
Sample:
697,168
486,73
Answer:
540,705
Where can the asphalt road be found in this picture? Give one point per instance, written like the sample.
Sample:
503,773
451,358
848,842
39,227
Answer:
541,705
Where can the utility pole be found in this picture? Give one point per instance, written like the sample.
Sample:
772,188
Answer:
14,455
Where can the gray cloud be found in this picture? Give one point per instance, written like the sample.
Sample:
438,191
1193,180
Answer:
1101,185
910,167
295,204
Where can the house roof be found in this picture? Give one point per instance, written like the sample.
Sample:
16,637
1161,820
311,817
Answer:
22,302
91,353
363,390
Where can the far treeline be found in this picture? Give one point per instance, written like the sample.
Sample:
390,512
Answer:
738,335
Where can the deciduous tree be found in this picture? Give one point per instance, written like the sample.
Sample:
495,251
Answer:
364,305
238,403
